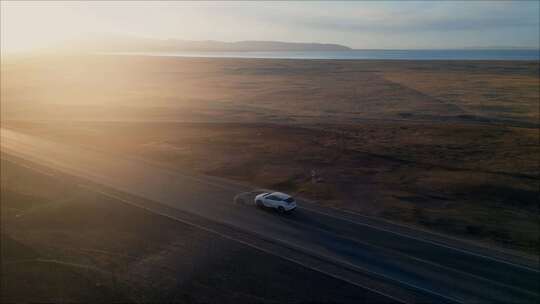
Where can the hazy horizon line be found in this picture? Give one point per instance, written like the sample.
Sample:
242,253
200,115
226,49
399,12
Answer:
500,47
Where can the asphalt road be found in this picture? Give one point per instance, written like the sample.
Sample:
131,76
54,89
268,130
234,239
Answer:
434,271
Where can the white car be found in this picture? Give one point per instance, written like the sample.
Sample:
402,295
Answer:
276,200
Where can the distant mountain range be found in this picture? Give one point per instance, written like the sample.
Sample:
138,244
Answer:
123,44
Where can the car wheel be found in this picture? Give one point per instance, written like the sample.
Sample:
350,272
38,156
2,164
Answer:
259,204
281,209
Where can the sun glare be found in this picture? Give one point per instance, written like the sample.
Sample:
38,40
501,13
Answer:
33,25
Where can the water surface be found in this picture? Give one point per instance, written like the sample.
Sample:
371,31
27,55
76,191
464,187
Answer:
473,54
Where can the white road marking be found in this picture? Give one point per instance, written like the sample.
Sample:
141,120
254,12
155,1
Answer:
422,240
421,260
245,243
339,218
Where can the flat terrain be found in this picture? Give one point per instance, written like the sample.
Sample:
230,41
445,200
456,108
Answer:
450,146
445,146
267,90
66,243
407,264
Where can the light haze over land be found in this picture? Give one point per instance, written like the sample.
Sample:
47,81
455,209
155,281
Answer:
359,25
136,137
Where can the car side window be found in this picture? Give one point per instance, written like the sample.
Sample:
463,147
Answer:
274,198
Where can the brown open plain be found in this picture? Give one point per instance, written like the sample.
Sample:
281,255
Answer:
64,243
450,146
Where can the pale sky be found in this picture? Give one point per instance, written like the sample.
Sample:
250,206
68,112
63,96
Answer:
373,24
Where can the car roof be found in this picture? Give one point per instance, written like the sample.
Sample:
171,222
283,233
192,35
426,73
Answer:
281,195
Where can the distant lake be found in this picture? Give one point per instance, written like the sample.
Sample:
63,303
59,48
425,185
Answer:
473,54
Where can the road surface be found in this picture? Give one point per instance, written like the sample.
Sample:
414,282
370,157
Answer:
404,266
